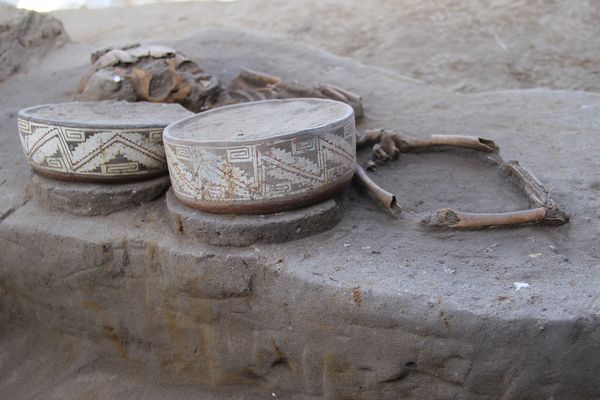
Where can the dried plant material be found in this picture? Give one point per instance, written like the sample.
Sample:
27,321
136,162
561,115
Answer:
254,86
407,143
368,137
386,198
148,73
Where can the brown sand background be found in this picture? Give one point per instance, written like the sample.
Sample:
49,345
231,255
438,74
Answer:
460,45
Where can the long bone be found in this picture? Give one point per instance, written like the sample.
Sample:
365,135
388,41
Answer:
544,211
407,143
381,195
253,86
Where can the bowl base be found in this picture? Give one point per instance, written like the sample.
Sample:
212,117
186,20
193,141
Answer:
81,198
244,230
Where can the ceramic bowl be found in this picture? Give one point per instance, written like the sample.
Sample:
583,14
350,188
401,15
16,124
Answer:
262,157
108,141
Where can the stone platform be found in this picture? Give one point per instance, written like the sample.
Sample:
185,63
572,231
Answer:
244,230
375,308
94,198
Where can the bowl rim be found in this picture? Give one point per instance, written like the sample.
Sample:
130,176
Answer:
24,114
169,138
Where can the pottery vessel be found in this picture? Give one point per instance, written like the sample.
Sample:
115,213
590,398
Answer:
108,141
262,157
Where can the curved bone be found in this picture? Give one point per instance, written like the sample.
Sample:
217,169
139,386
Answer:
384,197
544,211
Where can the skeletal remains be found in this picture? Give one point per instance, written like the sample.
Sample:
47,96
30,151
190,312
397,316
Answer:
388,146
161,74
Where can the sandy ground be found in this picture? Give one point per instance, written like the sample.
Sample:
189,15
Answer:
464,46
460,45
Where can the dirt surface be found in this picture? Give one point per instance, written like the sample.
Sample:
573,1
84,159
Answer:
26,35
448,299
460,45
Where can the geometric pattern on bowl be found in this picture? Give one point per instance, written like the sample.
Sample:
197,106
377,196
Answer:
123,143
265,173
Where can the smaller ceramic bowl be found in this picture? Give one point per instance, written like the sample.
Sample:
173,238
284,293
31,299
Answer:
108,141
262,157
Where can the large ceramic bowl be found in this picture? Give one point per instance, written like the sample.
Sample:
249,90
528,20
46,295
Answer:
262,157
108,141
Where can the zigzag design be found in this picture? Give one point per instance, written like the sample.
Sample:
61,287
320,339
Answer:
177,173
280,156
340,145
116,139
50,140
42,142
38,139
265,170
124,149
339,151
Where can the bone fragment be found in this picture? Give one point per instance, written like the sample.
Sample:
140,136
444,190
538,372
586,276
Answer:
380,153
258,77
349,95
148,73
142,81
535,190
114,57
99,53
139,51
337,93
456,219
367,137
389,146
332,92
386,198
158,51
544,209
253,86
407,143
